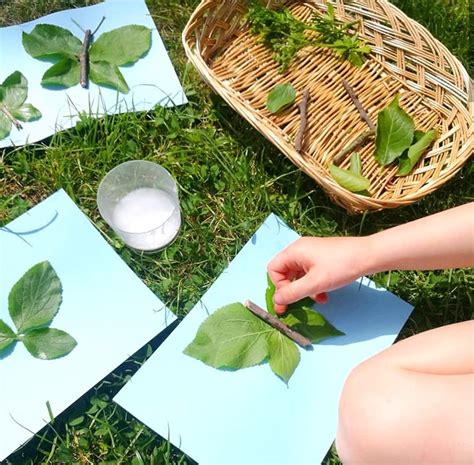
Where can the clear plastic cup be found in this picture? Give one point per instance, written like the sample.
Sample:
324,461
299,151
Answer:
139,200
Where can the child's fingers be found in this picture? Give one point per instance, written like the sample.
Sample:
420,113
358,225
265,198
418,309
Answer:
321,298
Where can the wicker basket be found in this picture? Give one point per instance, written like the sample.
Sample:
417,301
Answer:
405,59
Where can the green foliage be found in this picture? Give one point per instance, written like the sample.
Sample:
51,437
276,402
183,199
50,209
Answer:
33,302
421,142
35,299
280,97
233,337
395,130
13,94
122,46
280,31
350,180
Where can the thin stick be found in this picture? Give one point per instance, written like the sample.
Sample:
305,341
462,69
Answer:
277,324
7,113
84,59
100,24
355,100
303,107
360,140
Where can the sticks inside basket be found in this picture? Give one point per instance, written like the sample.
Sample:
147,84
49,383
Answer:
303,107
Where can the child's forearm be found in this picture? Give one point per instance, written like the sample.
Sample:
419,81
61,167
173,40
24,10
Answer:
443,240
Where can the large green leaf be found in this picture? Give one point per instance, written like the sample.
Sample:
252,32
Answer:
65,73
394,135
280,97
106,74
14,90
269,293
410,159
49,41
310,323
7,336
5,126
231,337
48,343
35,298
26,113
283,355
122,46
351,181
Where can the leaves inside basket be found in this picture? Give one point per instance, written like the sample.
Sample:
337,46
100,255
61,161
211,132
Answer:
280,97
351,179
422,140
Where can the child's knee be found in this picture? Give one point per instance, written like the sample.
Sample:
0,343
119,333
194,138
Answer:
365,416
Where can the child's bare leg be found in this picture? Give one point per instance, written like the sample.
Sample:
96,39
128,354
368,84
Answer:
412,403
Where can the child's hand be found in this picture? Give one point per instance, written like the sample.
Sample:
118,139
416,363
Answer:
311,266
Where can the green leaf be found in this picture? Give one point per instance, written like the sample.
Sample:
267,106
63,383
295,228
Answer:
5,126
106,74
26,113
49,41
356,164
283,355
48,343
269,293
351,181
280,97
122,46
394,134
14,90
7,336
410,159
310,323
231,337
35,298
65,73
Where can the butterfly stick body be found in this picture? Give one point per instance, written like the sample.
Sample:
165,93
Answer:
84,59
7,113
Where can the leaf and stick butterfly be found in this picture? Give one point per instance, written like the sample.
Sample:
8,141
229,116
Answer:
98,60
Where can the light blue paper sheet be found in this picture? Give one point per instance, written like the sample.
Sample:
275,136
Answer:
105,307
250,416
152,79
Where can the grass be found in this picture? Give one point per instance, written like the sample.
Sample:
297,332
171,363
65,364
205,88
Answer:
230,178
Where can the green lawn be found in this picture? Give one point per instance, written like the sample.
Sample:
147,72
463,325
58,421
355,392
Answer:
230,178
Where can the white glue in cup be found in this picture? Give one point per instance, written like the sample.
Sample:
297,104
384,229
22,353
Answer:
139,200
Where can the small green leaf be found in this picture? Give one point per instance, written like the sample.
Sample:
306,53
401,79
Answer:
283,355
269,293
65,73
410,159
231,337
122,46
48,343
7,336
14,90
310,323
356,164
26,113
106,74
351,181
35,298
49,41
5,126
395,129
280,97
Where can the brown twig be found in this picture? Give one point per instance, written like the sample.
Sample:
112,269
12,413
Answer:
303,107
277,324
84,59
355,100
360,140
7,113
